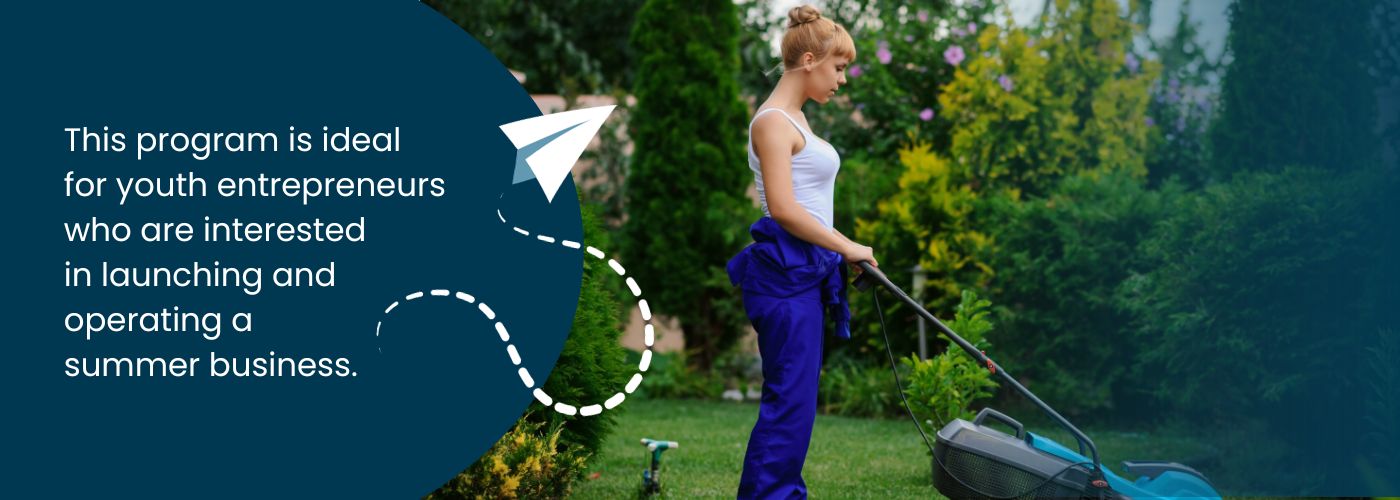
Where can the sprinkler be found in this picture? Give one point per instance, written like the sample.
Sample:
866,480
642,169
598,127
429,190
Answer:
651,476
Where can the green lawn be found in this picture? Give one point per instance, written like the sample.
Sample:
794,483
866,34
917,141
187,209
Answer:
849,457
859,458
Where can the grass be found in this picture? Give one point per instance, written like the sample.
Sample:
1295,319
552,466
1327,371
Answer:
849,457
860,458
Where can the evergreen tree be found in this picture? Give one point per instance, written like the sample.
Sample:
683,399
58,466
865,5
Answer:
686,209
1297,90
593,365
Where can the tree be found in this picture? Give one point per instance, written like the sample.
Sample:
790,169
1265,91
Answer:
1297,90
687,212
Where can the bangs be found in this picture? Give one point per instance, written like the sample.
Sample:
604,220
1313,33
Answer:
843,45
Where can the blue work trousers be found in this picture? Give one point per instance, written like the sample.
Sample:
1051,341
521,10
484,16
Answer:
790,343
790,287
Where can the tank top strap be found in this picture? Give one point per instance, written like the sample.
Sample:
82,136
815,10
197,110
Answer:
805,134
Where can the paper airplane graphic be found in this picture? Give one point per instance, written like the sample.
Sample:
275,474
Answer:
549,146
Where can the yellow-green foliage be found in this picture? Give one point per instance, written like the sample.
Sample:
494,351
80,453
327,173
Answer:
1073,104
932,213
1028,112
528,462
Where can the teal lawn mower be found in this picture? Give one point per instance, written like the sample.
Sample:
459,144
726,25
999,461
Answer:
973,460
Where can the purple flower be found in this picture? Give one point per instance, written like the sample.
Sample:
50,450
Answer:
926,114
909,38
1005,82
1131,61
954,55
958,32
1149,121
1030,42
883,53
1173,83
923,16
1181,123
860,106
856,70
971,27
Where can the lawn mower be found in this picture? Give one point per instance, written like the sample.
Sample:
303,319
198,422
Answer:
974,460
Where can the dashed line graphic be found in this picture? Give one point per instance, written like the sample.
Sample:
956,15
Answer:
514,353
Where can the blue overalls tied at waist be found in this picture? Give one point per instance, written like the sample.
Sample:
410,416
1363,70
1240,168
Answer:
779,264
790,288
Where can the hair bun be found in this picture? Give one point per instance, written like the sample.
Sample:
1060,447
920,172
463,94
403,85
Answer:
803,14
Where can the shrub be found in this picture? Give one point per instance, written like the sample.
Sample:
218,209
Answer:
670,377
1252,308
1059,260
901,68
593,365
542,454
1380,467
854,389
1251,291
1039,108
943,387
530,461
930,219
1183,104
1026,112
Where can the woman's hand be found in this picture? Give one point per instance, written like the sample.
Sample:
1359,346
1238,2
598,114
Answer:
856,253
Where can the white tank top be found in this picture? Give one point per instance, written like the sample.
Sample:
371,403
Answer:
813,173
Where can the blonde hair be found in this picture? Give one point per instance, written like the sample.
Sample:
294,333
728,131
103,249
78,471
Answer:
808,31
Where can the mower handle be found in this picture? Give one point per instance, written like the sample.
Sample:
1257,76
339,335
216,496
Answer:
871,275
864,281
988,413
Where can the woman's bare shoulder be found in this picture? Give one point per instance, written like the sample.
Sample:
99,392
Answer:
773,126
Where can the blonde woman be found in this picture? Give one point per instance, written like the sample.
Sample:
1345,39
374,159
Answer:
792,275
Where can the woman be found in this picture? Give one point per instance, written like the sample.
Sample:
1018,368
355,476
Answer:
792,276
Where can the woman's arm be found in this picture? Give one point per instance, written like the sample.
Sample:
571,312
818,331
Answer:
850,243
843,236
774,138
